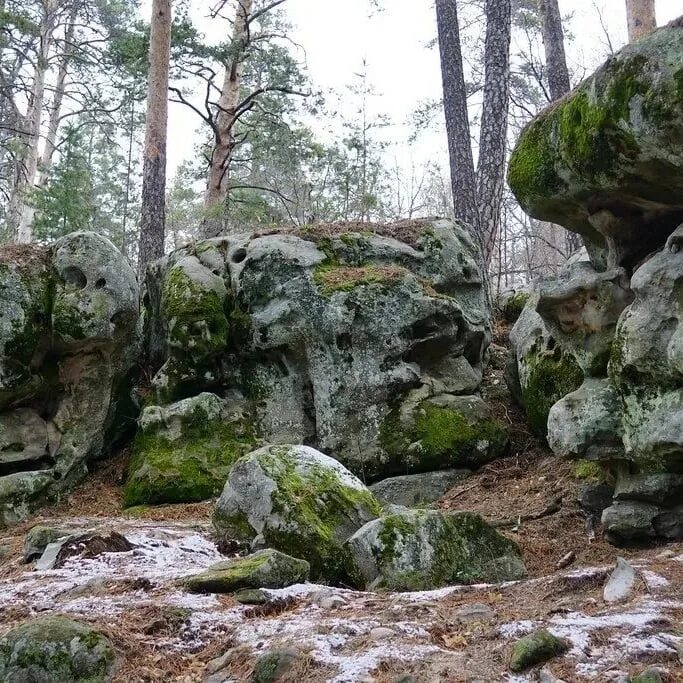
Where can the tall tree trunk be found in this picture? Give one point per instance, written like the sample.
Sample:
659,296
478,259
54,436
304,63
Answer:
463,178
152,219
553,41
221,157
494,122
56,108
34,115
641,18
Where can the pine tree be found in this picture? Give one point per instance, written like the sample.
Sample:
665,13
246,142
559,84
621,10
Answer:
65,203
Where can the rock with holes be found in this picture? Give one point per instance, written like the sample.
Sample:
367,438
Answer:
428,549
326,331
607,160
68,319
298,501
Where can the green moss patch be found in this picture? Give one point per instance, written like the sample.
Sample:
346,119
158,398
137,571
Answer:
551,376
188,469
334,278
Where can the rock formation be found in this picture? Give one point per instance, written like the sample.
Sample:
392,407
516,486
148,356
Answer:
607,162
365,341
68,318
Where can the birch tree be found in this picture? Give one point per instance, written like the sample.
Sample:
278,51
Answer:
641,18
152,221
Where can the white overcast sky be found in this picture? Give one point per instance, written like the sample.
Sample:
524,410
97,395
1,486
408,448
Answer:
337,35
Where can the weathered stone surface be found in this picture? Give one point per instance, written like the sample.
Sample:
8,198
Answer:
426,549
298,501
539,372
56,649
511,303
324,330
581,308
416,490
587,423
537,647
68,317
443,430
607,160
183,452
38,538
264,569
274,664
621,582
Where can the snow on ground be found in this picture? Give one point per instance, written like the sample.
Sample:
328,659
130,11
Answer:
341,638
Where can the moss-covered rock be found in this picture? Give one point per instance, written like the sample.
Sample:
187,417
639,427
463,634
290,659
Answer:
441,432
274,665
297,501
511,304
537,647
68,341
426,549
264,569
183,452
606,160
56,649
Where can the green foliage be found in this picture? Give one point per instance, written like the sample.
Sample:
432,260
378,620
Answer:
66,203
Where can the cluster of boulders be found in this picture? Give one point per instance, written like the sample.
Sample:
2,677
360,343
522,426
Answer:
68,316
598,352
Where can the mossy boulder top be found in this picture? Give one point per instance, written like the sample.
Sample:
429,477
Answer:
298,501
56,649
68,320
427,549
183,452
264,569
323,329
606,161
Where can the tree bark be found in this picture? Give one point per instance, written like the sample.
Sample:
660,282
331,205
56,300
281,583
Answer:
463,179
152,219
56,108
494,122
219,168
553,41
21,206
641,18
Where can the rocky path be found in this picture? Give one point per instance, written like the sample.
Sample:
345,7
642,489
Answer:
454,634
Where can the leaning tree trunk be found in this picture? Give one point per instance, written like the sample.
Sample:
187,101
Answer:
494,122
553,41
152,219
641,18
217,186
463,179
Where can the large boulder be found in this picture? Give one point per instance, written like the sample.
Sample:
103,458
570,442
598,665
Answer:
326,331
183,452
298,501
427,549
606,161
56,649
68,343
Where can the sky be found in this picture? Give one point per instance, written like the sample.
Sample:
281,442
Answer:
335,36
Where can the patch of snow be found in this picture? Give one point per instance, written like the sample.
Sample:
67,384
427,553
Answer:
653,579
517,628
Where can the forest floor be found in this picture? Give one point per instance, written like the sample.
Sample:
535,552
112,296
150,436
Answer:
167,634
